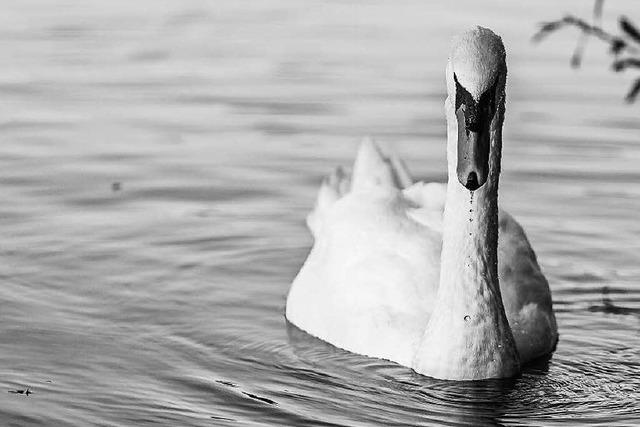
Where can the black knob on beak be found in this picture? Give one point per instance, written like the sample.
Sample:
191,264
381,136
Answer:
472,182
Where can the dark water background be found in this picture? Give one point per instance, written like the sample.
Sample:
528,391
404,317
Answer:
157,159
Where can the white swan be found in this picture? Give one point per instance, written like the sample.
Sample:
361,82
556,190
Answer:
432,276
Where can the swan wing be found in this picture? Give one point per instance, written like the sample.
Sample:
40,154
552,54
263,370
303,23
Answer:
372,168
369,281
525,292
427,200
333,187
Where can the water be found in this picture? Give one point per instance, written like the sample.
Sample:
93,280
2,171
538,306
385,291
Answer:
157,160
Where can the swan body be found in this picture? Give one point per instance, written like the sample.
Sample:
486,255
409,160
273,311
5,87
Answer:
432,276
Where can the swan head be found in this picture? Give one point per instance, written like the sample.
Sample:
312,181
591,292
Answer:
476,75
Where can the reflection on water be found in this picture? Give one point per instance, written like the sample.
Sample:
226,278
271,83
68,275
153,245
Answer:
157,160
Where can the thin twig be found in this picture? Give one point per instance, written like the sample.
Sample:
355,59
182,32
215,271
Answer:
633,93
623,64
592,30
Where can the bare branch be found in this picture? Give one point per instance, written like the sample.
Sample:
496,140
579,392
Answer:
633,93
629,29
623,64
591,30
627,42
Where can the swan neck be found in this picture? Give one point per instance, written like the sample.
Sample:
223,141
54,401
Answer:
468,336
469,260
470,225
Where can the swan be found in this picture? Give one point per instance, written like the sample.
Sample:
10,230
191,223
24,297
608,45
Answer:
432,276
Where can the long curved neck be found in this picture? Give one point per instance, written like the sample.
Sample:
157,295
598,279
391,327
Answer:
468,335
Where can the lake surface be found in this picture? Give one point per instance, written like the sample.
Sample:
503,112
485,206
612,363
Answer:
157,160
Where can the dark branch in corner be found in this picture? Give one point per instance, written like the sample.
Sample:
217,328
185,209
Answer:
633,93
626,44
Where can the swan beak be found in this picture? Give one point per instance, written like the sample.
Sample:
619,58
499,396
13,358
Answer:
473,151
